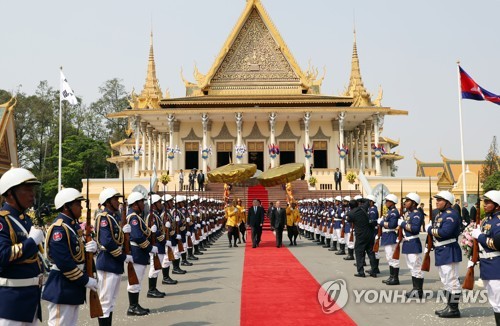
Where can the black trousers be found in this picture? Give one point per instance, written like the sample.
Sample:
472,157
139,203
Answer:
360,249
279,236
338,186
293,232
255,235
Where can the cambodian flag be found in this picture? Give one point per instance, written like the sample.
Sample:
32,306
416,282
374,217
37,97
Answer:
472,91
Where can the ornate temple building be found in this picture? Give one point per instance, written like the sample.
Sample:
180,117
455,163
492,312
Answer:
256,105
8,146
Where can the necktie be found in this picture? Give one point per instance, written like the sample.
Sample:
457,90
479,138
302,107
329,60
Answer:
255,209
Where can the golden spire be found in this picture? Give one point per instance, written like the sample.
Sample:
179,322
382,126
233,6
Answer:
356,89
151,93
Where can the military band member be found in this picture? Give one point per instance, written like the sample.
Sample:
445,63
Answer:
445,230
110,259
66,286
232,214
488,236
412,247
155,224
20,265
292,220
389,236
141,248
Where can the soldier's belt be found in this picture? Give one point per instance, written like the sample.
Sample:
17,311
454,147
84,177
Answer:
388,230
411,237
21,282
337,219
486,255
445,242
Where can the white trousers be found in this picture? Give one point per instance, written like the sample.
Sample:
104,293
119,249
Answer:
177,254
63,314
109,286
493,287
449,277
165,262
389,251
338,232
152,272
414,263
140,270
350,244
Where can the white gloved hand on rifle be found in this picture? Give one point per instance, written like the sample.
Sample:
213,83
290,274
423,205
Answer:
91,284
129,259
154,250
178,237
475,233
167,224
470,263
36,235
127,228
154,228
91,246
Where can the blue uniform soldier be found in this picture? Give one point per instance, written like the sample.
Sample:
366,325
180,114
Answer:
166,216
155,223
20,264
389,237
412,247
488,236
110,259
373,218
445,230
66,286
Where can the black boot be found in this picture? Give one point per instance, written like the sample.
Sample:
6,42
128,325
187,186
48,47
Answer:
497,318
134,309
391,275
341,250
177,269
452,308
413,292
395,277
153,291
334,247
190,255
322,241
350,254
447,300
317,238
328,243
375,268
185,261
166,276
202,245
197,250
104,321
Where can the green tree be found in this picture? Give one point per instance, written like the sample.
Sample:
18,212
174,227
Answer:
492,161
492,182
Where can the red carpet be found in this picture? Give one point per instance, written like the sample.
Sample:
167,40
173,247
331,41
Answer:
278,290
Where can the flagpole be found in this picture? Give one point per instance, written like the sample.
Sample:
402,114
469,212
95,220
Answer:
60,136
461,132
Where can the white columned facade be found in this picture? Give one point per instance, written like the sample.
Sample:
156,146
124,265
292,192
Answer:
143,130
171,120
362,135
272,140
378,122
155,149
341,140
158,162
137,132
307,119
164,152
239,123
204,124
150,140
351,151
357,153
369,143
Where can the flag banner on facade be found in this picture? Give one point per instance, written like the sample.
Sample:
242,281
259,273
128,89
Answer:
66,93
472,91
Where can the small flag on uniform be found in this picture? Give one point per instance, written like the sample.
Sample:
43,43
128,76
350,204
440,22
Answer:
472,91
66,93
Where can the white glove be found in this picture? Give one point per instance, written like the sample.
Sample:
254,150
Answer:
91,284
427,227
376,237
342,215
178,237
188,220
475,233
36,235
154,250
203,222
91,246
129,259
400,221
397,240
154,228
169,243
177,219
167,224
470,263
127,228
198,226
426,250
188,233
380,219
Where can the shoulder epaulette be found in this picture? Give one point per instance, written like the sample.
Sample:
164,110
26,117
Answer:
448,211
4,213
59,222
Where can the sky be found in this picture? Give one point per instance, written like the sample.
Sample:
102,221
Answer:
409,48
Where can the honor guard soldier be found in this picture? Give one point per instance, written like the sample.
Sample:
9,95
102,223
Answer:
412,247
388,223
488,236
183,230
373,218
347,230
167,219
337,223
110,259
20,264
66,286
155,223
141,248
445,230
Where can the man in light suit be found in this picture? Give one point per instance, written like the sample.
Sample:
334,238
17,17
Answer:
338,179
279,223
255,221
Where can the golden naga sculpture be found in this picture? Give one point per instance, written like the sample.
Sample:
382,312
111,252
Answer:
200,78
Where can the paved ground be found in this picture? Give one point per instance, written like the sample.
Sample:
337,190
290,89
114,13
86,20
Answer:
209,294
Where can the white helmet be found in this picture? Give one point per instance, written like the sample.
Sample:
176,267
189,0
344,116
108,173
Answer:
167,197
180,198
15,177
338,198
155,198
392,197
67,195
413,196
371,197
107,194
347,198
446,195
357,197
133,197
493,195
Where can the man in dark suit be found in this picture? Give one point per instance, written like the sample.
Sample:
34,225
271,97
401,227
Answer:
338,179
270,214
255,221
465,215
201,180
279,223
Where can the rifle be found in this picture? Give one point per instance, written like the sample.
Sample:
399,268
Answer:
376,246
397,250
426,264
94,302
469,276
132,276
180,246
342,230
170,252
